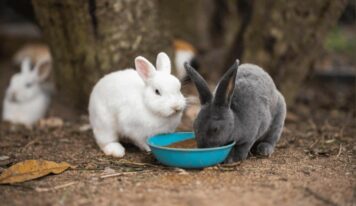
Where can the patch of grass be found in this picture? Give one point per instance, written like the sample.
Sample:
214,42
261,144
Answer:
338,40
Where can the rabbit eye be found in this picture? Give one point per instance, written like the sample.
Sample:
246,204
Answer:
157,92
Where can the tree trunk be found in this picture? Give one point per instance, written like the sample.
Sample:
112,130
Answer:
284,37
188,20
90,38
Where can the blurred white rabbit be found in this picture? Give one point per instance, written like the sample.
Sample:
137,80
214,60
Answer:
135,104
26,101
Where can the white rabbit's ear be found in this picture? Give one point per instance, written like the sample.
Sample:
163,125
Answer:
144,68
26,65
43,69
163,63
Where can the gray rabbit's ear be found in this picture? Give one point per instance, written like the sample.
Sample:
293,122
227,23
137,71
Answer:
226,86
201,85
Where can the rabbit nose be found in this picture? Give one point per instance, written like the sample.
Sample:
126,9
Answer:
13,97
176,108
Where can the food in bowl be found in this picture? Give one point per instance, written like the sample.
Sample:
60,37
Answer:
189,143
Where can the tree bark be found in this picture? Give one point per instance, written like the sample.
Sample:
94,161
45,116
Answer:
188,20
90,38
284,37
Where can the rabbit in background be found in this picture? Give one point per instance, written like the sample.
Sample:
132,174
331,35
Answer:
183,52
26,98
246,107
135,104
35,51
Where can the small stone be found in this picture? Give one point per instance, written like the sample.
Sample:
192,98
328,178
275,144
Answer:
52,122
181,171
2,158
109,170
84,127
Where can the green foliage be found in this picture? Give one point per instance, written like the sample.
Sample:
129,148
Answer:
341,40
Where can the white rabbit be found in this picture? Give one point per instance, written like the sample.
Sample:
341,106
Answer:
25,100
135,105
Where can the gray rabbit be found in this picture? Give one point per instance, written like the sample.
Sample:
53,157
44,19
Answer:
246,107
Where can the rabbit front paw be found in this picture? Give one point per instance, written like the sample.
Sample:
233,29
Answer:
114,149
264,149
236,155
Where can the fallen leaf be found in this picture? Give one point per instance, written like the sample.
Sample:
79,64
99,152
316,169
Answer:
41,189
31,169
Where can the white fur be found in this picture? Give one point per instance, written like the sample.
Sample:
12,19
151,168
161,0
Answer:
123,104
182,56
25,101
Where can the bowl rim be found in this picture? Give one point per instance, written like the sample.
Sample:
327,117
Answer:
187,149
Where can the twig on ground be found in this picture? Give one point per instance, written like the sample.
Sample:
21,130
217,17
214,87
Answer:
312,124
123,161
89,169
39,189
180,171
341,133
116,174
340,151
320,197
230,165
313,144
29,144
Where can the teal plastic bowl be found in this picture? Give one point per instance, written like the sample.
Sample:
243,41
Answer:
185,158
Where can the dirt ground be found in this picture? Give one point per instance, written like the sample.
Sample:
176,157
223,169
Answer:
314,164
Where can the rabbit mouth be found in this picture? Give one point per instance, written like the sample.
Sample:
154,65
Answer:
169,115
175,113
166,114
14,99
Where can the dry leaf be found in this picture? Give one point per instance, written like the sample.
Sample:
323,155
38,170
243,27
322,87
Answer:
31,169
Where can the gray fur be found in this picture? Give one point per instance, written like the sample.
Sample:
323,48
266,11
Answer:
252,112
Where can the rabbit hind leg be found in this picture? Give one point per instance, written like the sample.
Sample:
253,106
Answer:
266,145
108,142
